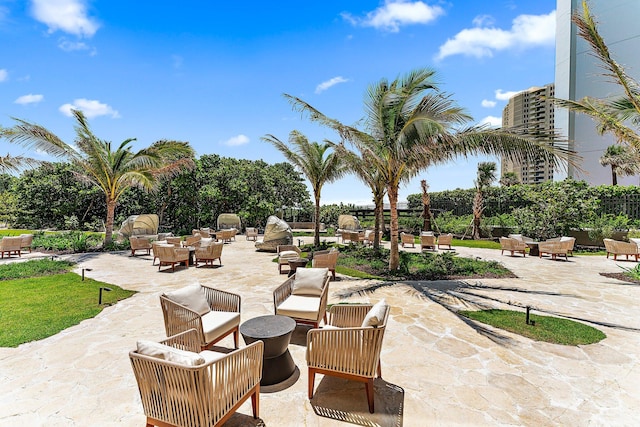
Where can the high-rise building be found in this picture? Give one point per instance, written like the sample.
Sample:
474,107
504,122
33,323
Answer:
530,111
578,74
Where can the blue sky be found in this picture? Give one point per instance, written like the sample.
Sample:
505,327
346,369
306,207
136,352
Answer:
213,73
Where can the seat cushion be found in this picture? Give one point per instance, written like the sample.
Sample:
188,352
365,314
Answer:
191,297
211,356
376,314
309,281
300,307
170,354
288,255
217,323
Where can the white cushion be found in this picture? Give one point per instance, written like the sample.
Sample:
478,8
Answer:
288,254
170,354
191,297
309,281
376,314
217,323
300,307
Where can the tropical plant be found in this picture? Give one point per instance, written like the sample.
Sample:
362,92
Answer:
317,163
617,115
95,162
486,176
508,179
426,206
410,125
623,161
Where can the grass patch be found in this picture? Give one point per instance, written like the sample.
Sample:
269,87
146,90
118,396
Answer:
482,244
548,329
33,268
37,307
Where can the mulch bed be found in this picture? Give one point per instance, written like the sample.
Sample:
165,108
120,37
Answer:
621,276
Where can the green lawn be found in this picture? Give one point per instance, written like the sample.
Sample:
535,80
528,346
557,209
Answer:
548,329
34,308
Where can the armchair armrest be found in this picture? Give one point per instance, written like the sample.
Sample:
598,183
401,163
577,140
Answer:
187,340
178,318
282,292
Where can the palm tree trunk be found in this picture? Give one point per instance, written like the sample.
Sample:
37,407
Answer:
394,257
376,223
316,234
426,206
108,226
477,214
614,176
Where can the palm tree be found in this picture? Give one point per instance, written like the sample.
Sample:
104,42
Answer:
614,115
411,126
426,206
315,161
113,171
623,161
371,176
486,176
508,179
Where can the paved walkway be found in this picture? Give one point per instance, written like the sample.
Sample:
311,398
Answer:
437,369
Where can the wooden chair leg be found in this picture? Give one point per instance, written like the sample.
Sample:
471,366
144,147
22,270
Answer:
312,379
369,389
255,402
235,338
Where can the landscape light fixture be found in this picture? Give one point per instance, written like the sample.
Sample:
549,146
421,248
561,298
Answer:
100,295
85,269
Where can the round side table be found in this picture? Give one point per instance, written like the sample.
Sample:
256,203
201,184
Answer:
275,332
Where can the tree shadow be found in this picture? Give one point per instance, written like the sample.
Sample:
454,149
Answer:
452,294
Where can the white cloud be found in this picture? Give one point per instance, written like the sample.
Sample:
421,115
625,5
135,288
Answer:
505,96
488,104
90,108
234,141
331,82
492,121
483,41
69,16
4,75
396,13
70,46
29,99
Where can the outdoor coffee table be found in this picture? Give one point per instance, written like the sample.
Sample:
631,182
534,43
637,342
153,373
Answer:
275,332
295,263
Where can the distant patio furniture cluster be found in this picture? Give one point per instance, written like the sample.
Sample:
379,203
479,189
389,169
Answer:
558,246
11,245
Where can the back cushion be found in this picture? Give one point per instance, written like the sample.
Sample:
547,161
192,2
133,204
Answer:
309,281
191,297
170,354
376,314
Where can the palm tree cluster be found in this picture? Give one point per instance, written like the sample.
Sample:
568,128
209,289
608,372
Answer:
96,163
410,125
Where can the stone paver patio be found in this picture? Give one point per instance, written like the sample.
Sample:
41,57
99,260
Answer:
436,368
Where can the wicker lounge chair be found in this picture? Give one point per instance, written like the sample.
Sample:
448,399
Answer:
212,312
554,248
11,245
350,346
139,243
427,241
170,255
407,239
192,241
175,241
445,240
180,387
251,233
285,253
303,296
27,241
326,259
616,247
513,246
209,253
